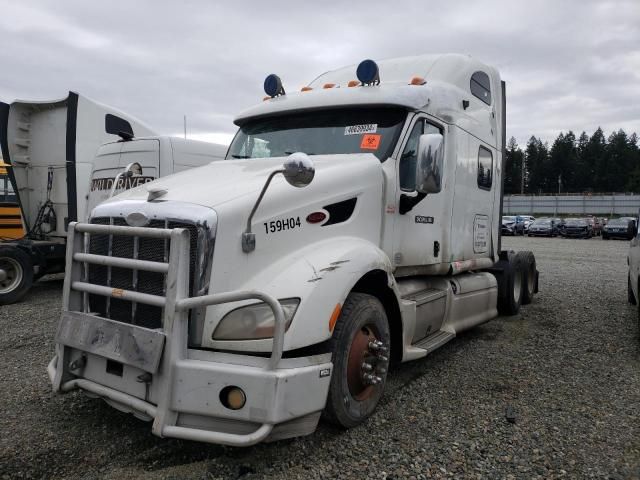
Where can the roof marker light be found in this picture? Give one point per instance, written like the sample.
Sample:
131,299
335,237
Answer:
417,81
329,85
273,86
368,73
306,89
353,83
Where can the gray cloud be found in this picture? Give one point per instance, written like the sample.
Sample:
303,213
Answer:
568,65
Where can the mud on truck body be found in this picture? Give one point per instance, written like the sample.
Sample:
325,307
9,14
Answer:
354,224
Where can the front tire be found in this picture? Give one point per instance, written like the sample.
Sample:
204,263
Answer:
16,274
360,348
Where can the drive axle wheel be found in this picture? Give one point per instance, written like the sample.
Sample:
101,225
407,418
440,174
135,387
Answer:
16,274
529,274
360,356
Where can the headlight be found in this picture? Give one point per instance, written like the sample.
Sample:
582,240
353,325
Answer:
253,322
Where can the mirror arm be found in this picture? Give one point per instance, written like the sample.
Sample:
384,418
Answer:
407,202
249,238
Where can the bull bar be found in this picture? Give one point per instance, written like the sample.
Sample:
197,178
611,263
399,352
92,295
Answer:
173,354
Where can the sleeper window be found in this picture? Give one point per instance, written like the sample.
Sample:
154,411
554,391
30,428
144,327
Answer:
485,168
481,87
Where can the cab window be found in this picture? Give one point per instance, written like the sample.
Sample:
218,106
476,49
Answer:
485,168
409,157
481,87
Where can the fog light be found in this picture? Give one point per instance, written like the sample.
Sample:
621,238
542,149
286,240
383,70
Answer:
233,397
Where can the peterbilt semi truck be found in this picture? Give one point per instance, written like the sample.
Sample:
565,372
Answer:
59,169
354,225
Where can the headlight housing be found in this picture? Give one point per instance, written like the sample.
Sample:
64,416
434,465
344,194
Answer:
253,322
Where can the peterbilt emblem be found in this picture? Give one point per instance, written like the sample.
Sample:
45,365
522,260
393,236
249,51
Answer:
137,219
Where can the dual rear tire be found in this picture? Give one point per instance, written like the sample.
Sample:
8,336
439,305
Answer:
517,281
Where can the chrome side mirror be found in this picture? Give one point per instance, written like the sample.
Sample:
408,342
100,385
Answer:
299,171
430,163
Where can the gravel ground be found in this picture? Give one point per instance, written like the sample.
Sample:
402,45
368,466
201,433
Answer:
567,368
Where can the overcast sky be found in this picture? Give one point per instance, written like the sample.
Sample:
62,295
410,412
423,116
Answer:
568,64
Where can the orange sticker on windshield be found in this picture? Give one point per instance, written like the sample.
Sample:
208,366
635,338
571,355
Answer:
370,142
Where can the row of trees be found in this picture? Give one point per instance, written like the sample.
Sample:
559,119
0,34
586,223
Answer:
584,164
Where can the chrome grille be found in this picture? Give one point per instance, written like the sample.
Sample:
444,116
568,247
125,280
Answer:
152,249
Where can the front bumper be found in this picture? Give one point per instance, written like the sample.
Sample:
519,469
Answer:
618,234
152,373
576,233
280,403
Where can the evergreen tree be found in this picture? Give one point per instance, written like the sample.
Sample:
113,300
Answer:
563,159
537,161
583,171
514,158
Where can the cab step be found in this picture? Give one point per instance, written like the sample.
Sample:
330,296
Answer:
432,342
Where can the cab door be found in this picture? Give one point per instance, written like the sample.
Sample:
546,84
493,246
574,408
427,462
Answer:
418,233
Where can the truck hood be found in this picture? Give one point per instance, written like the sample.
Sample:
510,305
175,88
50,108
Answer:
229,181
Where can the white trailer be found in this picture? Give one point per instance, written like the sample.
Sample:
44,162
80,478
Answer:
231,305
54,150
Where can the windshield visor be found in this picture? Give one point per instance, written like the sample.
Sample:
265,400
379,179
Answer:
323,132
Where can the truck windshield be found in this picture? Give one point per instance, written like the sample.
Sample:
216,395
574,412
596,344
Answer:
322,132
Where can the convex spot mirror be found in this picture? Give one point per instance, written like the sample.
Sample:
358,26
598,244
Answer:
298,169
430,163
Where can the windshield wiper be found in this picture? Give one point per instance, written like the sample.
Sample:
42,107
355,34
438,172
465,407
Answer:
240,156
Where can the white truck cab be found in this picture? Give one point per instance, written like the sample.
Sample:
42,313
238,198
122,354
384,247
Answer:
354,224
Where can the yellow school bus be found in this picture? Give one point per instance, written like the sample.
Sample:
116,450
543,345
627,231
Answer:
11,227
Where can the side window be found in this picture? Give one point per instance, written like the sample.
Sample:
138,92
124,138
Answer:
485,168
409,157
481,87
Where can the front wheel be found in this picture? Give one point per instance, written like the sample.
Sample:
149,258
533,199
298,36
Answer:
360,354
16,274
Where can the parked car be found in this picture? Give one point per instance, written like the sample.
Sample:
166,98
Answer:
596,226
619,228
512,225
559,224
577,227
543,227
528,220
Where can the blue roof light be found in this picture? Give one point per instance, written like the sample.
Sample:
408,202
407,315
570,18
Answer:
273,85
368,72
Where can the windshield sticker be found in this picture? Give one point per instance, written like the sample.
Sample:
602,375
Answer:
370,142
360,129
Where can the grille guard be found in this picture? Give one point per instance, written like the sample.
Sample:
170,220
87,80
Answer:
176,305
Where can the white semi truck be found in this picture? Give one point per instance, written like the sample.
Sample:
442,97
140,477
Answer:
354,224
59,171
